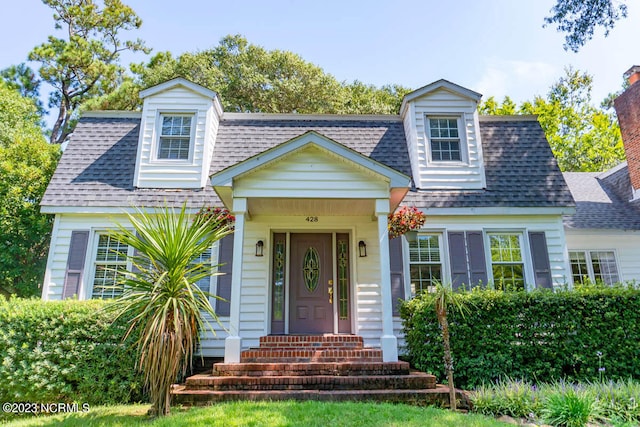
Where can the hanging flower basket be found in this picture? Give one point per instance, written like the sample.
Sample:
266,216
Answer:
405,220
219,214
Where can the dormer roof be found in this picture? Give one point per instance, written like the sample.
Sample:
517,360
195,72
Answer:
439,84
179,81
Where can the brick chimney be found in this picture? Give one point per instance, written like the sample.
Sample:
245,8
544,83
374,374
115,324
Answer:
627,107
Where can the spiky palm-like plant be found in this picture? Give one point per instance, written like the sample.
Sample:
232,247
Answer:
161,293
442,299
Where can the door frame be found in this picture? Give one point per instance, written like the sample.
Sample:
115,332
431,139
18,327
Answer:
352,274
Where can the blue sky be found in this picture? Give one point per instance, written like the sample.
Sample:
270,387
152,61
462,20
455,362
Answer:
495,47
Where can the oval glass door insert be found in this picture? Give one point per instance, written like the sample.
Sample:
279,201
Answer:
311,269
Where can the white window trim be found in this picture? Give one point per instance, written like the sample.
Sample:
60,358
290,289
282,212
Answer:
462,135
525,252
157,132
90,261
589,260
444,259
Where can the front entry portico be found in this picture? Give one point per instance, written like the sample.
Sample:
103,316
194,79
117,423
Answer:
321,286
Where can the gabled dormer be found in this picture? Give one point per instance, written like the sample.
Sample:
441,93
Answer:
443,137
177,135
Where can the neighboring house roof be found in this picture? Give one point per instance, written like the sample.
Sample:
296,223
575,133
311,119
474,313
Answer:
602,200
520,170
97,167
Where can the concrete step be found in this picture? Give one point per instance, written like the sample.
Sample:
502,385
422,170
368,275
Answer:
304,355
305,369
434,396
416,380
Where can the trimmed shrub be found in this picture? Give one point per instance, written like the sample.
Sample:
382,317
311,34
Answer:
537,336
65,351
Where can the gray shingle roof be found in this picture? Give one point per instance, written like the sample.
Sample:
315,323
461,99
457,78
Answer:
240,137
519,166
98,165
97,168
602,200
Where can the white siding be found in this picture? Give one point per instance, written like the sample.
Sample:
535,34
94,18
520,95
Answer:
626,245
57,262
58,252
256,297
154,173
427,175
366,300
311,173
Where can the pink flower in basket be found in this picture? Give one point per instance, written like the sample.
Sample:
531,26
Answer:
404,220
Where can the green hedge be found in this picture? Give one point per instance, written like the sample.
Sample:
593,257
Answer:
64,351
537,336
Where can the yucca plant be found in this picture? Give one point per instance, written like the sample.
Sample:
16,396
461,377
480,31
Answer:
161,293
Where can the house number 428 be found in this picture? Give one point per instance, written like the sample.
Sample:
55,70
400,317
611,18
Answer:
312,219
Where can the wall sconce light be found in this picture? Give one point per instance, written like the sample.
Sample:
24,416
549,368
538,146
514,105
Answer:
362,248
259,248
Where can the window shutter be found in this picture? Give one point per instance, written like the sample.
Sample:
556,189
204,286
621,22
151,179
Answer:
477,260
225,258
540,257
458,259
136,256
396,264
75,263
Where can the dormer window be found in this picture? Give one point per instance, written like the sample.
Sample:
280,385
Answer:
444,138
175,136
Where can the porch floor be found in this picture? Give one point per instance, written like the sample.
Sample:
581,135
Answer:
313,367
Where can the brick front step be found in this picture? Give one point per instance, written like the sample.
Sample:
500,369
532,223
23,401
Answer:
311,355
311,367
306,369
437,396
294,342
416,380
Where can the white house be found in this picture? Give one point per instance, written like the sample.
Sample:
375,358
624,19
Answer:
311,195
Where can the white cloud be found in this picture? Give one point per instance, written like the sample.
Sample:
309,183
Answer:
520,80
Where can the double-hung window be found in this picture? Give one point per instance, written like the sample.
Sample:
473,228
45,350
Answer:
444,138
595,266
507,263
110,265
425,258
175,136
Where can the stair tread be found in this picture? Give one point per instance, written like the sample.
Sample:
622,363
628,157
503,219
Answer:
276,365
413,374
182,390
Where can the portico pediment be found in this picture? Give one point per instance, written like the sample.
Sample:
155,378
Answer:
310,167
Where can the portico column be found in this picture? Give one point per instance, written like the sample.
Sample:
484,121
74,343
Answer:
388,341
233,343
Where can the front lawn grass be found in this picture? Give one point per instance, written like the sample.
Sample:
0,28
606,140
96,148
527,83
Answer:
269,414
